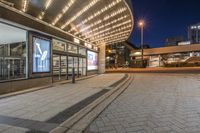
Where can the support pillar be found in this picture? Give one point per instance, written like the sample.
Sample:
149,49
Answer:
102,58
159,57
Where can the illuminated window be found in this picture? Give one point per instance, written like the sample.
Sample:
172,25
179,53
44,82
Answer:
41,55
82,51
13,54
92,58
76,40
72,48
59,45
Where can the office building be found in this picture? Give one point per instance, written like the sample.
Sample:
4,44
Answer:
194,33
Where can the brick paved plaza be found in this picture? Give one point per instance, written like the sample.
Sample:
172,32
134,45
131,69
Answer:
43,110
154,103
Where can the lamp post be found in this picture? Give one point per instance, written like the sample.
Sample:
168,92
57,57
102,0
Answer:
141,26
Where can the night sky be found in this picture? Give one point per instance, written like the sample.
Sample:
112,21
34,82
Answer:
164,18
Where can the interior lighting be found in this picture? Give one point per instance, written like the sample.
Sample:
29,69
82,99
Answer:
92,3
47,5
119,11
114,31
64,10
25,5
107,29
76,40
104,25
113,35
99,12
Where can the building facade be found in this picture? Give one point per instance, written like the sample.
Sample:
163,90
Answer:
29,58
174,56
118,54
194,33
42,42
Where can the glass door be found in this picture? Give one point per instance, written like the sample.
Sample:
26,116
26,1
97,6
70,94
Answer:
64,67
59,67
82,66
72,63
70,66
1,68
80,72
76,65
56,68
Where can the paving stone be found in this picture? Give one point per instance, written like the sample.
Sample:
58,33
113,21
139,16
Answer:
134,129
45,104
156,103
4,127
15,130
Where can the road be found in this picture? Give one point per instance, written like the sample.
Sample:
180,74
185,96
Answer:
154,103
188,70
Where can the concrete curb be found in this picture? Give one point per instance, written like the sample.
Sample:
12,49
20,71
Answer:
42,87
80,121
78,79
24,91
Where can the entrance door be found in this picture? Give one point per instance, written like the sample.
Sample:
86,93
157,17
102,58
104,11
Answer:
63,64
82,67
56,68
72,63
59,67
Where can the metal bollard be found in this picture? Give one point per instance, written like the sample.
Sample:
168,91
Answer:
73,75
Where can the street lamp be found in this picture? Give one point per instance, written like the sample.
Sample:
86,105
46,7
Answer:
141,26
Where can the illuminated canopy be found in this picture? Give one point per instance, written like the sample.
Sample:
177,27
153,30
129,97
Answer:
95,21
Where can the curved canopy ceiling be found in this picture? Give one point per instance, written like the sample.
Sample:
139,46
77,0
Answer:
95,21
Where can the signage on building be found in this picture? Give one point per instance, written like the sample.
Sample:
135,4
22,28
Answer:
88,45
76,40
41,55
184,43
92,58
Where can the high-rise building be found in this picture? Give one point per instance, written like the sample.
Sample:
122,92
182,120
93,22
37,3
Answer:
194,33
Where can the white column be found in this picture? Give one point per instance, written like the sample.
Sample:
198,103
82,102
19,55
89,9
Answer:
102,58
159,60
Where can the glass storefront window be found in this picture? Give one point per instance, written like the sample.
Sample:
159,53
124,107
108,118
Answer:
92,60
13,54
59,67
41,55
70,65
82,51
72,48
76,65
63,64
56,65
59,45
82,66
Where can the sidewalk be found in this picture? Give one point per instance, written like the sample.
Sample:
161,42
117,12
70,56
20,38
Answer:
43,110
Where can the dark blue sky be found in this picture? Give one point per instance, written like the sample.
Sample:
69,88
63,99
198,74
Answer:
164,18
